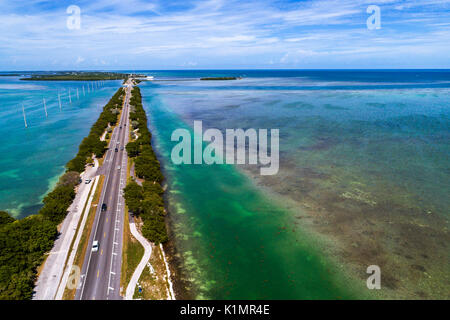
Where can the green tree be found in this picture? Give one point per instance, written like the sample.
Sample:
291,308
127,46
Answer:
133,196
5,218
133,149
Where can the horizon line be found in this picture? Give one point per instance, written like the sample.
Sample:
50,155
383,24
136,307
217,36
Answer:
228,69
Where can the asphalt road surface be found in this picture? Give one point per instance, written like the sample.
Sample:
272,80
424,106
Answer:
100,274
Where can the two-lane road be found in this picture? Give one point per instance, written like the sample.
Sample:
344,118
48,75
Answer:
100,274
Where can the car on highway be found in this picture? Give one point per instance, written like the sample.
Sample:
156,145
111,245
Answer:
116,150
87,181
121,148
95,246
104,207
118,167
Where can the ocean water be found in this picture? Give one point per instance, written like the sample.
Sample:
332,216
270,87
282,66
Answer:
363,181
33,158
363,177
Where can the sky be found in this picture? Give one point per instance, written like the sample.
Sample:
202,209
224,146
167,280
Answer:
223,34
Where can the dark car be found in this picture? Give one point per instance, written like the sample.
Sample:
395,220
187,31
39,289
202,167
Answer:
117,149
104,207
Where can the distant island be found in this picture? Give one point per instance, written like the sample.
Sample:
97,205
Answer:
220,78
78,76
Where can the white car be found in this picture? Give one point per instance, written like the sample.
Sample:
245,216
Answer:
95,246
118,168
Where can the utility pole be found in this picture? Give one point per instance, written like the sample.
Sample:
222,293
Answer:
45,108
24,117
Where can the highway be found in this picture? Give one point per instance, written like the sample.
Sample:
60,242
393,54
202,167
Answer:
100,274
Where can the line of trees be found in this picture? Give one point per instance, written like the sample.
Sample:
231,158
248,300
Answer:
92,143
147,200
24,242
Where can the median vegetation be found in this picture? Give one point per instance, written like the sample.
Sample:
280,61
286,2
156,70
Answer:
145,201
24,242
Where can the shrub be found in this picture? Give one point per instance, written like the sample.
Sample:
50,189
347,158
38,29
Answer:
70,178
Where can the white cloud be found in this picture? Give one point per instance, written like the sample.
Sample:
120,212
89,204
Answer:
219,32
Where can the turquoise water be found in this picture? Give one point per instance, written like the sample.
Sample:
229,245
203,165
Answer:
33,158
235,244
363,180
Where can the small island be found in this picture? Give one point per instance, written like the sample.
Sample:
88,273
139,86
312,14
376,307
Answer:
220,78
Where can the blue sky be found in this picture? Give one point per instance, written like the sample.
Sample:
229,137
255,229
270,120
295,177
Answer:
223,34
